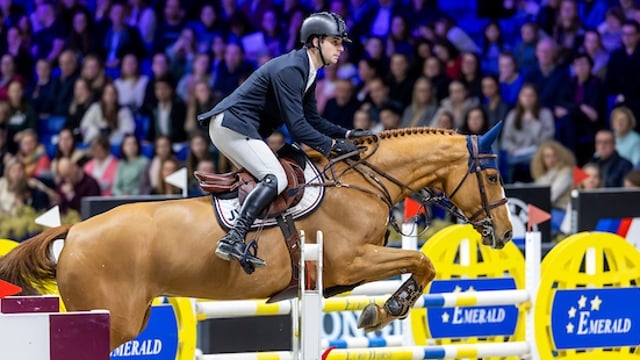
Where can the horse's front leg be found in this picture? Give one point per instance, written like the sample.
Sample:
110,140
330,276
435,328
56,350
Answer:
379,263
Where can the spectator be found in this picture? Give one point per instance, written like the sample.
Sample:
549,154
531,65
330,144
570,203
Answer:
170,26
65,82
379,97
420,12
167,167
592,12
160,68
142,17
295,15
627,140
198,151
200,72
201,101
48,41
206,166
18,191
623,71
547,16
390,118
423,106
75,185
458,102
168,115
446,28
611,29
493,103
21,114
593,180
525,51
208,26
119,39
32,155
17,45
103,166
128,180
368,70
81,38
93,71
552,165
632,180
492,46
444,120
432,70
13,12
587,112
162,150
399,41
7,75
377,20
450,58
107,117
182,52
231,72
400,83
613,167
525,128
592,46
82,101
43,95
627,7
65,148
471,74
476,121
567,32
131,85
362,119
341,108
269,38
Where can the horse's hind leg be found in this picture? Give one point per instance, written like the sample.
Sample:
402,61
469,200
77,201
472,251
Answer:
379,263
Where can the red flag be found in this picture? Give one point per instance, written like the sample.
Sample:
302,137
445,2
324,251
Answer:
536,216
8,289
578,175
411,208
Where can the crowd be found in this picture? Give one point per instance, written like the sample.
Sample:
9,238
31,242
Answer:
99,97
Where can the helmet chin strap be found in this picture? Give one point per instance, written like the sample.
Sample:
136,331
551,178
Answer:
324,63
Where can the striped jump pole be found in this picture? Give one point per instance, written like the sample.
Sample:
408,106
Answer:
432,352
361,342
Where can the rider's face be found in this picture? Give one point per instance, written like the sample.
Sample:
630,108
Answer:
332,48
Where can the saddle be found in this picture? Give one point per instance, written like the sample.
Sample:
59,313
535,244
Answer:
242,182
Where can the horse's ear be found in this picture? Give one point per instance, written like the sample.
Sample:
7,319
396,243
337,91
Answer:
490,137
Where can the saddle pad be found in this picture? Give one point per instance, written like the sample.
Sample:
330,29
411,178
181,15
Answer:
227,208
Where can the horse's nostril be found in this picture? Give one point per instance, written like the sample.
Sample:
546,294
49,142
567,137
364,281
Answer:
507,236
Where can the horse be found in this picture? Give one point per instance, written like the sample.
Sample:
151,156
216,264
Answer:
122,259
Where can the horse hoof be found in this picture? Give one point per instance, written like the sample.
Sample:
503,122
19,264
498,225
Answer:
368,319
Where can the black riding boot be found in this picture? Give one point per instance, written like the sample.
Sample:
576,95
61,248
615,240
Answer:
232,246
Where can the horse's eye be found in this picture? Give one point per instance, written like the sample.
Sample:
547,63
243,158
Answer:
493,178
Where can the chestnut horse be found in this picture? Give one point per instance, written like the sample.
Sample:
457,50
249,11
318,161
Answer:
122,259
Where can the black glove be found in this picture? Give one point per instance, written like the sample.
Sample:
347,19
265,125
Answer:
356,133
342,147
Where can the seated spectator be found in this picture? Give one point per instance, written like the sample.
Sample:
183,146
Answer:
182,52
167,167
103,166
143,17
66,148
567,31
611,29
374,49
325,86
400,83
511,79
170,24
160,68
593,180
525,52
65,82
399,39
201,102
83,34
552,165
492,102
525,129
432,70
47,42
458,102
108,118
119,39
74,185
17,190
423,106
198,150
627,140
200,71
168,115
21,114
341,108
592,45
17,45
32,155
131,166
161,150
390,118
444,120
207,26
492,46
471,74
7,75
362,119
613,167
446,28
368,70
205,166
231,72
131,85
476,122
43,95
450,58
632,180
82,101
93,72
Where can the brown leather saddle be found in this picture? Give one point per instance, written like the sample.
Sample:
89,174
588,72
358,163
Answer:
242,182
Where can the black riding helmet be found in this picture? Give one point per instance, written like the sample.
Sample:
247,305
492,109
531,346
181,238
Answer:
323,24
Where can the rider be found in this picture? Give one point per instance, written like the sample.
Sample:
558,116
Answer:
281,91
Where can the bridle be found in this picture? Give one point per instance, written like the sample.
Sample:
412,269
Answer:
477,163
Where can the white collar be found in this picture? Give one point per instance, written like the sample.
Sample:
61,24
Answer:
312,72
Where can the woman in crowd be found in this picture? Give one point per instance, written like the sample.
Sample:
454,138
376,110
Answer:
167,167
200,71
21,115
476,121
107,117
65,148
103,166
493,103
627,140
131,85
17,191
80,104
201,101
198,151
423,105
131,168
162,150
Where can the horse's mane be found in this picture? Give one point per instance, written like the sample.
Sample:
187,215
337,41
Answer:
388,134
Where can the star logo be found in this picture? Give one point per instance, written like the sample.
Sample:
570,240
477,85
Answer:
445,317
595,303
572,312
582,303
569,328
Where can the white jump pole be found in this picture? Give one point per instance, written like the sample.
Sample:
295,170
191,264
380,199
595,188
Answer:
310,303
533,254
409,242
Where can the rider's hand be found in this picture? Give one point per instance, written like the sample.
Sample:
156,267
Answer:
342,146
356,133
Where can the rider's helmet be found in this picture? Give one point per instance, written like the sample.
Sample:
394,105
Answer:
323,24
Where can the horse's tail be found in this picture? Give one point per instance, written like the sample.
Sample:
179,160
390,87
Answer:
30,264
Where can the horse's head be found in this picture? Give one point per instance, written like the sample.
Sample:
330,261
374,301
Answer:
478,191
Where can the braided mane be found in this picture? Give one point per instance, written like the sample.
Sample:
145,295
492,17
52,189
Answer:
388,134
